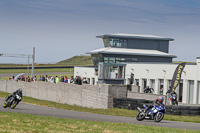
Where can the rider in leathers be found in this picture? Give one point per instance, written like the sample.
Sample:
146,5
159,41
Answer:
157,102
19,91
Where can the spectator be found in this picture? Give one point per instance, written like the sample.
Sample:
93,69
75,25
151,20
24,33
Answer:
66,79
57,79
76,80
79,80
22,78
28,79
46,78
43,78
52,80
35,78
72,80
61,78
13,76
40,79
84,80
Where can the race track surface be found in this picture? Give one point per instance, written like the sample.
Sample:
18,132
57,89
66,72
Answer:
46,111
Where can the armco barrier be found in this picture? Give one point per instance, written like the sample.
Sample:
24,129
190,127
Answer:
92,96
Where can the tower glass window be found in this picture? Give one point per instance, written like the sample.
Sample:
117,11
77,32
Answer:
114,42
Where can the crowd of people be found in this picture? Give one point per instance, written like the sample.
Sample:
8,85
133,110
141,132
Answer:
52,79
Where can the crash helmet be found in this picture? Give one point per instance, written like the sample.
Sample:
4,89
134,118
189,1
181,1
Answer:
160,99
20,90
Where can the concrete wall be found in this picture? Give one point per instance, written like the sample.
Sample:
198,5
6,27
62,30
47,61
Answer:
116,91
92,96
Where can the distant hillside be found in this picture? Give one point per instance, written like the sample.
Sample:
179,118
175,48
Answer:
77,61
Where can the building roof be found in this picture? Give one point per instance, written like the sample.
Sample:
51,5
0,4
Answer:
136,36
125,51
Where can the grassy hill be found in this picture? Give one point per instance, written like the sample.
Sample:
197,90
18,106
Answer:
78,61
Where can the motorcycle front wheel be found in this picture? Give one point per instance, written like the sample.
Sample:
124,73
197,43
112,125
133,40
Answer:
158,117
5,105
14,104
140,116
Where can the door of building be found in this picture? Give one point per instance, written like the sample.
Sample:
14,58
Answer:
191,91
180,94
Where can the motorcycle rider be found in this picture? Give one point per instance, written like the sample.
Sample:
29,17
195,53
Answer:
19,91
174,94
157,102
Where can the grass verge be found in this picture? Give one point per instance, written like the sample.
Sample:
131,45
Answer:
111,111
12,71
18,122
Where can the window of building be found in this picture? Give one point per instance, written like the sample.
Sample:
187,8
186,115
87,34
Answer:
161,86
191,91
109,59
100,69
137,82
118,42
114,71
111,71
118,59
106,71
152,83
106,42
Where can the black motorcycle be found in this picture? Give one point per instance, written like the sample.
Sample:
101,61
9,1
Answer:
148,90
174,99
12,100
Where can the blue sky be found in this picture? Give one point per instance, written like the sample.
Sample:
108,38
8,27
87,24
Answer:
60,29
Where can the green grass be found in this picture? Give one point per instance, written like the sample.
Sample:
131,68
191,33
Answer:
111,111
78,60
11,71
18,122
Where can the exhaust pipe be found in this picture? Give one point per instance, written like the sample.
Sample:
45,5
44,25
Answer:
139,109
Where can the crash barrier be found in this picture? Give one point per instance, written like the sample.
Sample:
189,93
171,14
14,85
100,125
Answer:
132,104
92,96
183,110
129,103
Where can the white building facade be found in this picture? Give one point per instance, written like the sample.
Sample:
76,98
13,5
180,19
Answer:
156,76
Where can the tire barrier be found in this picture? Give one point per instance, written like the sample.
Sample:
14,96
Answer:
129,103
132,104
183,110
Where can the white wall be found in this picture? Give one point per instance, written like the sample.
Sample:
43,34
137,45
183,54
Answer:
87,72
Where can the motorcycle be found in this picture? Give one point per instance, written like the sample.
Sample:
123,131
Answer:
12,100
174,99
155,113
148,90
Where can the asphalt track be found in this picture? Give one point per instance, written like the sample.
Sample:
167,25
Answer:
46,111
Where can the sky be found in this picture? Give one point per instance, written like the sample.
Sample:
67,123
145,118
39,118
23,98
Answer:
61,29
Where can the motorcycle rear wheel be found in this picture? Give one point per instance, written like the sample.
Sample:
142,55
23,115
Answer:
140,116
14,104
158,117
